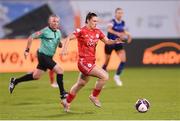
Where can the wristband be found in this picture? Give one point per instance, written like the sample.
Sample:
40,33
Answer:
27,50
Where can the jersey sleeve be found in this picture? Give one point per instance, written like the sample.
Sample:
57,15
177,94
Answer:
37,34
101,35
111,23
124,26
77,32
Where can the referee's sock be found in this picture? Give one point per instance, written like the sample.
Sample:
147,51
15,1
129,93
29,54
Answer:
104,66
27,77
61,85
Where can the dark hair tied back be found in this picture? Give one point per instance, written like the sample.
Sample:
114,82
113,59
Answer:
89,16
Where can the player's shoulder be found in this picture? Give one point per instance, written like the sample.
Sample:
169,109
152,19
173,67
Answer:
58,31
123,22
80,29
77,30
111,20
84,28
97,29
40,32
44,30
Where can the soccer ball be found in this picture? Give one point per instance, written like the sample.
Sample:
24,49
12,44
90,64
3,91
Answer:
142,105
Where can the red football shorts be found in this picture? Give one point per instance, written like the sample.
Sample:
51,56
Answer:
85,66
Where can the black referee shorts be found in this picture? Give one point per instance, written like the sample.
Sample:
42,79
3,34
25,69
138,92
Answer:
109,48
45,62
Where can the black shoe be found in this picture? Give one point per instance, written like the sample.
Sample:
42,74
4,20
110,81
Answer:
12,85
64,95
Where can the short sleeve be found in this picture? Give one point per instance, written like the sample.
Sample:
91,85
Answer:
101,35
111,23
37,34
124,25
77,32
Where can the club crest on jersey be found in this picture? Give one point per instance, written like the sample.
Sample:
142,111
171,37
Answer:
97,35
91,43
89,65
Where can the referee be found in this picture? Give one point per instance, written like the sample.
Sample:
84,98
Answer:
50,38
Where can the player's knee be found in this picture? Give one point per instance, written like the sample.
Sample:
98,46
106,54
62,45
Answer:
82,83
123,60
106,77
58,70
36,77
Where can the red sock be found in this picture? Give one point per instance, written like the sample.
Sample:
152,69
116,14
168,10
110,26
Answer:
51,76
96,92
70,97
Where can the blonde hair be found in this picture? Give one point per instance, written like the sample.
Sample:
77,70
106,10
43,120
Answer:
118,9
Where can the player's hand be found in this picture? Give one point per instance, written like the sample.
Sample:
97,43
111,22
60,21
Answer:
26,53
121,34
119,40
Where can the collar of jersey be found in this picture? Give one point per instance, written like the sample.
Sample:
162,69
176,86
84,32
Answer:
52,29
118,21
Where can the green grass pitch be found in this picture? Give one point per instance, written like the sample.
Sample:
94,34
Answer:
38,100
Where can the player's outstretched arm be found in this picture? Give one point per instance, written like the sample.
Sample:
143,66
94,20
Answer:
110,42
120,34
129,38
27,49
66,43
30,39
110,30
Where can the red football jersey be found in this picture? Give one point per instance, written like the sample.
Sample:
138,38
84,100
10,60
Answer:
87,41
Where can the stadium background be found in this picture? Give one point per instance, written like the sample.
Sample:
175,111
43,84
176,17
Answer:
154,52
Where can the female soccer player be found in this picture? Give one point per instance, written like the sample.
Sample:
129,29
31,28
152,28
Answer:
87,38
50,38
116,30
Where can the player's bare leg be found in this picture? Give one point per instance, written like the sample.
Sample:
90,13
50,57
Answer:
81,82
103,77
122,56
107,58
37,73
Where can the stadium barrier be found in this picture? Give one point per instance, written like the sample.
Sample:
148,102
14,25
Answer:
154,52
12,58
141,52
